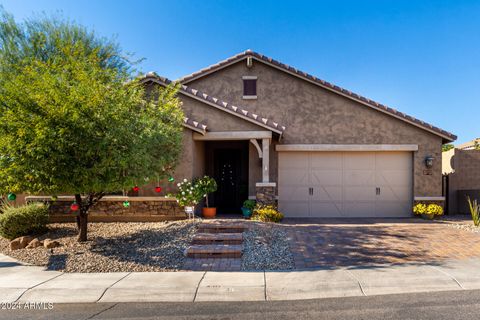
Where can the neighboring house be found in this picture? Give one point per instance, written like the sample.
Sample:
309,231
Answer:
461,165
470,145
266,130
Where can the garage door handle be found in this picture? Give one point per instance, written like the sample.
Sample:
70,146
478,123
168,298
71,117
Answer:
378,191
310,191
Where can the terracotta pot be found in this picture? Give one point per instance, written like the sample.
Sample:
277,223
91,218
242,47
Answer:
209,213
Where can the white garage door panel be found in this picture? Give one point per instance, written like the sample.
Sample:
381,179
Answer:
345,184
359,177
358,160
295,209
294,193
322,209
330,160
358,209
326,177
327,193
359,193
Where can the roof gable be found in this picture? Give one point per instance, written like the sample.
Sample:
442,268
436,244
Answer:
446,136
220,104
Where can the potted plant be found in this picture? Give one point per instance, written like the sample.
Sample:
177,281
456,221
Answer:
207,185
188,196
247,209
429,211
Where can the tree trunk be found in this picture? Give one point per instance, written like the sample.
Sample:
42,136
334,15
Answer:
77,218
82,218
82,234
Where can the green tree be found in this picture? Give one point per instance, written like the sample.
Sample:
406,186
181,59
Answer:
447,147
72,118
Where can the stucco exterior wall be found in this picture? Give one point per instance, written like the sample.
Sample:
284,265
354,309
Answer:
314,115
216,120
466,176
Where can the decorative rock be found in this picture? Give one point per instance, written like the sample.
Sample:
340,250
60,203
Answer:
20,242
25,240
15,244
35,243
49,243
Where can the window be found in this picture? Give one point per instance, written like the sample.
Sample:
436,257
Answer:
249,87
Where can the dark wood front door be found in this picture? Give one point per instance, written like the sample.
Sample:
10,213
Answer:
230,170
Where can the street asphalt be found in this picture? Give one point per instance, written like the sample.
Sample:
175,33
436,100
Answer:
436,306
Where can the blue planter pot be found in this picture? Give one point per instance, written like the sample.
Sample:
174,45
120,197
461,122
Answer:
247,213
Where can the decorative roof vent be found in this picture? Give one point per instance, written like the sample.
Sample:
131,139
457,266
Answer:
249,62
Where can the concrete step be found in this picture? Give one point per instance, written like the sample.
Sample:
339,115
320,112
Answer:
218,238
214,251
221,227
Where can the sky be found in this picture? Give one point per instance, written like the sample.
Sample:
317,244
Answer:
420,57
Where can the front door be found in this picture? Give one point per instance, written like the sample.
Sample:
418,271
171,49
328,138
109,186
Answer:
230,170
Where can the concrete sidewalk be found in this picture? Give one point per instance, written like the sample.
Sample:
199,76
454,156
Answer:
22,283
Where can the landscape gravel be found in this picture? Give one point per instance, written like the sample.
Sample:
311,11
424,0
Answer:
112,247
460,222
266,247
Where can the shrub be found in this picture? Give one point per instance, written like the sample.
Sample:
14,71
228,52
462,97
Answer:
206,185
188,194
422,208
474,211
267,213
24,220
249,204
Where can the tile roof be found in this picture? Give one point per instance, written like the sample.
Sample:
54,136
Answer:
220,104
195,125
327,85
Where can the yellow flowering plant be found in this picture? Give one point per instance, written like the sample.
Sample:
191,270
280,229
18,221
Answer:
266,213
430,209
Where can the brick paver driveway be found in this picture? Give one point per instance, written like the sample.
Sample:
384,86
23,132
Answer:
329,243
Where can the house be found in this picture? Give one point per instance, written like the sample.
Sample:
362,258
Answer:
268,131
461,167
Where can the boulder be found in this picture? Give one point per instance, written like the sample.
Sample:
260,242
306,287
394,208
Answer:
49,243
25,240
20,242
15,244
35,243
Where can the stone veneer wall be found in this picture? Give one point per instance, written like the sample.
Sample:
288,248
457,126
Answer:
111,209
265,193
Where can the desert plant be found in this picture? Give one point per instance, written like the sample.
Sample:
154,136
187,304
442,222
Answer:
23,220
266,213
474,211
206,185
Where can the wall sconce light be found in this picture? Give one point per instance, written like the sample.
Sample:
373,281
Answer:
429,161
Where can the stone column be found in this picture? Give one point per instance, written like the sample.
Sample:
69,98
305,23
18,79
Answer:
265,193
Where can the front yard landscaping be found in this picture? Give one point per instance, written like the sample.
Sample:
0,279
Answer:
266,247
114,247
151,246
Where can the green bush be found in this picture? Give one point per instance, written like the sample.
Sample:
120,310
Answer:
249,204
24,220
267,213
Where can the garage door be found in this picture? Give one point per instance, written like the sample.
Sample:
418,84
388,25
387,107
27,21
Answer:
345,184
